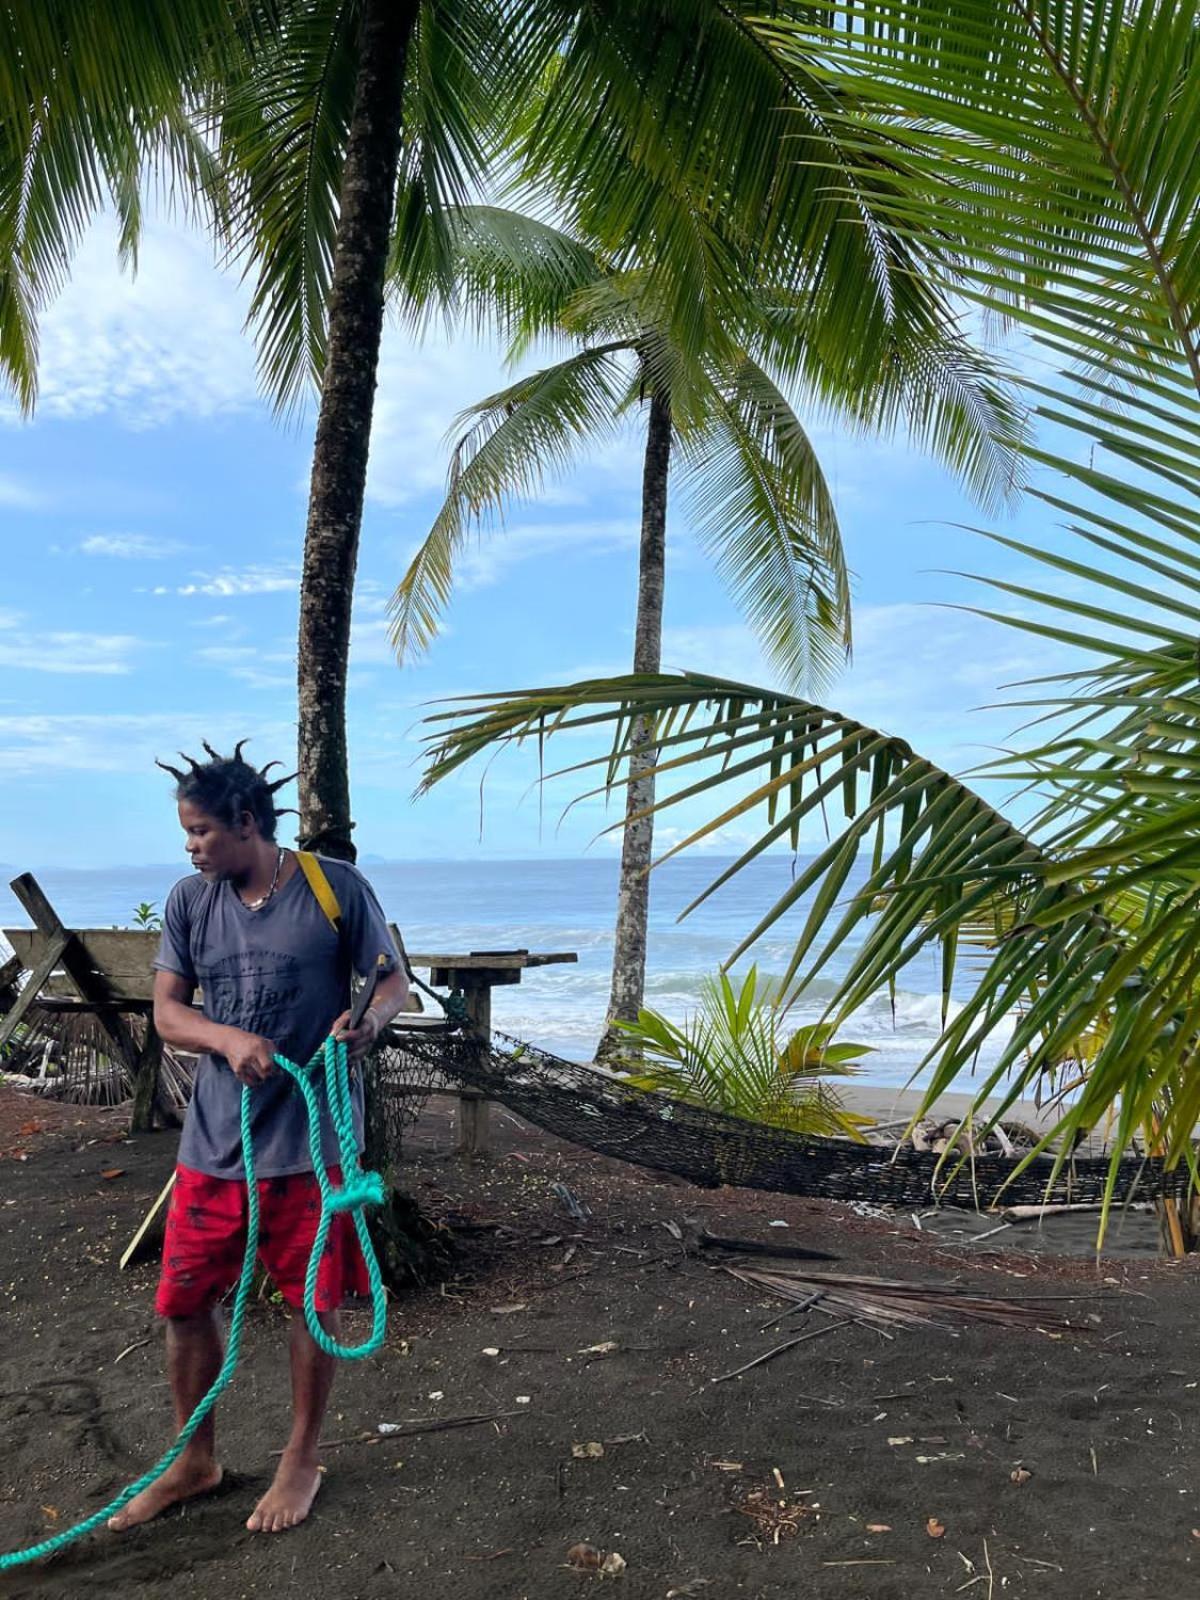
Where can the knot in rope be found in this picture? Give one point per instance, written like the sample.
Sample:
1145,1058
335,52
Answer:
368,1191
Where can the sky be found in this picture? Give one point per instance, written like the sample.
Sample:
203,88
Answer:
153,515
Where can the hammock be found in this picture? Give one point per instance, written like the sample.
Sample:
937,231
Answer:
590,1108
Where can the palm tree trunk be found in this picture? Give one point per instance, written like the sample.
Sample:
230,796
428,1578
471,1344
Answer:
637,844
339,471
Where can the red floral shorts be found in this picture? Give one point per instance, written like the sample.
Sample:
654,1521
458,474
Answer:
206,1237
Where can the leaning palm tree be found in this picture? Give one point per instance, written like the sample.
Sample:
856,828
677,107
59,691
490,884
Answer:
1053,142
716,417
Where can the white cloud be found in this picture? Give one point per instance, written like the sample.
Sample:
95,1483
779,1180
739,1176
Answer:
252,664
231,581
423,386
19,495
727,650
33,745
486,562
167,342
106,654
130,546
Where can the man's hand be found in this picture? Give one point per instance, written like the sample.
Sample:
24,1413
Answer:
251,1058
358,1041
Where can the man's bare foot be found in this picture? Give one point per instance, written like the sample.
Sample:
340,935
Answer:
289,1499
182,1481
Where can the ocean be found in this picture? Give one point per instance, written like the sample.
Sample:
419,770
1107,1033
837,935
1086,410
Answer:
568,905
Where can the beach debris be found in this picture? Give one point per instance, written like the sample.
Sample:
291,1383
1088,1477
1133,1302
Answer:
524,1399
683,1591
1036,1213
778,1223
695,1237
490,1350
788,1344
1008,1139
572,1204
613,1565
109,1173
130,1348
879,1527
604,1348
1020,1475
885,1303
437,1394
593,1450
471,1419
584,1556
978,1238
775,1516
935,1529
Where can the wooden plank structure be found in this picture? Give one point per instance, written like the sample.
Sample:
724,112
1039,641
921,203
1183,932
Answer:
108,973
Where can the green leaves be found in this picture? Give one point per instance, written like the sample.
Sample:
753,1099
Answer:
1040,161
733,1055
87,121
512,440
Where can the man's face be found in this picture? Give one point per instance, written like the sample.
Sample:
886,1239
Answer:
215,850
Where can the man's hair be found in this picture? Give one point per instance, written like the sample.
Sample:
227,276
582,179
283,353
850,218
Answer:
227,786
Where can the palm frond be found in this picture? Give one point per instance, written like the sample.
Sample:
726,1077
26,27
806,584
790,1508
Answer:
759,503
511,440
507,270
1037,153
86,122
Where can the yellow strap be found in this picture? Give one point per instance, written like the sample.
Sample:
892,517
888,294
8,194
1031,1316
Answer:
321,887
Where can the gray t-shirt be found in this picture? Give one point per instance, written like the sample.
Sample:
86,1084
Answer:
281,972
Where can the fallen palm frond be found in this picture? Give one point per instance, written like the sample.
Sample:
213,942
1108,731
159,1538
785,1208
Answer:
65,1054
889,1302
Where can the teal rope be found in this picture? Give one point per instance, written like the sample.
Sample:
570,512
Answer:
358,1189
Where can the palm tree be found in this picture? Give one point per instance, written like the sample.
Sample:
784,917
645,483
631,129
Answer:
713,414
1053,143
322,134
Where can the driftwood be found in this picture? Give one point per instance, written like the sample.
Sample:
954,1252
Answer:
1036,1213
695,1237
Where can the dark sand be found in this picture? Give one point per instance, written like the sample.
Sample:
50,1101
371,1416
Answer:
1102,1416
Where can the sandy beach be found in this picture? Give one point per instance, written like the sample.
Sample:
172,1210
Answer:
1060,1458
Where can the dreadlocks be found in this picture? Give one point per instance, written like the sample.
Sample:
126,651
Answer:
228,786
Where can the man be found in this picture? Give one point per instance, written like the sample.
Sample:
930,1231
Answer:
275,974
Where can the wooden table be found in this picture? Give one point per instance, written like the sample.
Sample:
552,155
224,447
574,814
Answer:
477,973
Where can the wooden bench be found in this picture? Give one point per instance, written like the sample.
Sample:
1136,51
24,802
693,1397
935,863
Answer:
108,973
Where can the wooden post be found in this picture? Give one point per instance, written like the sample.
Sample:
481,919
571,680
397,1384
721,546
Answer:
472,1103
145,1080
51,956
75,963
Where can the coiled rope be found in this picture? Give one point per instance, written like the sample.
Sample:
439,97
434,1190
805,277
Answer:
359,1189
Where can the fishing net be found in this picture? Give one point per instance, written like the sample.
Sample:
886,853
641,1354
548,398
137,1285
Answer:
591,1108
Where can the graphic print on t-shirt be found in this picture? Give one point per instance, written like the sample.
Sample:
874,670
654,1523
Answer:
256,990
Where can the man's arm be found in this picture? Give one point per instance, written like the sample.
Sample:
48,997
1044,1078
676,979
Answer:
391,996
251,1058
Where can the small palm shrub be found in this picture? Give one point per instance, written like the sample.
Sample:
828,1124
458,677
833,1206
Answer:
736,1054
